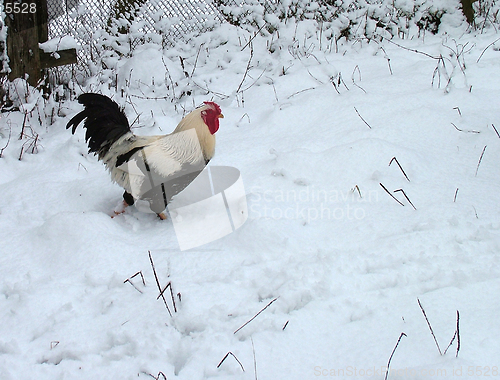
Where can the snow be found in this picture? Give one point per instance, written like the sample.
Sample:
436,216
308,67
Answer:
343,262
59,43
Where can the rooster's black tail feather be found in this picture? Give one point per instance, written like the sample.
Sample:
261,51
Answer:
105,122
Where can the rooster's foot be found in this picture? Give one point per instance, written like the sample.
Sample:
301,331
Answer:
120,208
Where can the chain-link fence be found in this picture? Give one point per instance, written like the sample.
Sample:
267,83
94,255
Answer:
86,19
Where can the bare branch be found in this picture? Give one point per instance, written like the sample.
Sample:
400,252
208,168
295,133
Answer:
430,327
361,117
246,70
496,130
400,167
451,342
412,50
8,141
254,359
465,131
255,35
234,356
480,159
255,316
458,333
357,188
392,196
406,196
359,76
392,354
486,48
158,283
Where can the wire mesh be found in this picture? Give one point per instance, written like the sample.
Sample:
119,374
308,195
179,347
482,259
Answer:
86,19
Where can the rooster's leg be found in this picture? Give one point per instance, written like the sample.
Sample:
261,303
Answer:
120,208
128,200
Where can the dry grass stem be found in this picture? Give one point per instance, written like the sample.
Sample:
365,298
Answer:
392,196
400,167
256,315
361,117
158,283
480,159
234,356
430,327
392,354
406,196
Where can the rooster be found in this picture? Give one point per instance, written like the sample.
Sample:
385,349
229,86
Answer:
151,168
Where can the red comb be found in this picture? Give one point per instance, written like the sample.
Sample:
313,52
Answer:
213,105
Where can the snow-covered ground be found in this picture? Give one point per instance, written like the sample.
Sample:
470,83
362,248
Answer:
343,262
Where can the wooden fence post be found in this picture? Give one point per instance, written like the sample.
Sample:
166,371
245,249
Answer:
23,38
27,24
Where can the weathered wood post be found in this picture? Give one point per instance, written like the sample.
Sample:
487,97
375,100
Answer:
27,27
25,23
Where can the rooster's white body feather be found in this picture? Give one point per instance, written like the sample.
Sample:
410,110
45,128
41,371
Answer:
169,160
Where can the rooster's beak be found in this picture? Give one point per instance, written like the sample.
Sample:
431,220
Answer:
221,116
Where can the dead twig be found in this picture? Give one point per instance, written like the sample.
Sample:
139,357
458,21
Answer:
458,333
387,58
451,342
458,109
392,354
248,117
255,35
400,167
83,166
234,356
255,81
254,359
196,60
430,327
131,283
392,196
356,68
158,283
455,197
491,125
406,196
465,131
169,286
455,335
23,127
412,50
246,70
256,315
480,159
8,141
301,91
167,71
486,48
157,377
361,117
357,188
129,280
275,93
142,277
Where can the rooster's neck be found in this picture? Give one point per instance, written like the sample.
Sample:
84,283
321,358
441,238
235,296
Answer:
205,138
